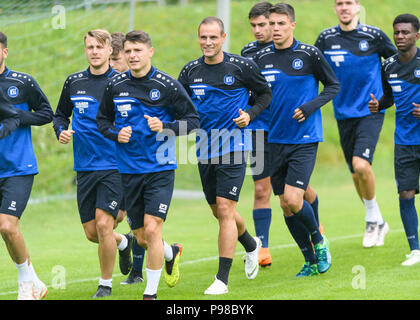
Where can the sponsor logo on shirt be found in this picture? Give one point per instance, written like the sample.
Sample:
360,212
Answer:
123,109
81,106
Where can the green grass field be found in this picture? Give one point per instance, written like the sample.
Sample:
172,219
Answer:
55,237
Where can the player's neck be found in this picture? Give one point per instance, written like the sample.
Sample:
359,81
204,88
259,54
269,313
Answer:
407,56
2,68
285,45
99,71
350,26
218,58
141,72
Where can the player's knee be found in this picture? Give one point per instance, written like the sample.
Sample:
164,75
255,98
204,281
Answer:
262,194
293,204
361,167
407,194
7,229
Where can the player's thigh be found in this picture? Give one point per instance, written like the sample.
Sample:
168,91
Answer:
278,167
230,176
347,133
208,180
301,163
14,194
133,186
158,193
109,192
407,167
367,136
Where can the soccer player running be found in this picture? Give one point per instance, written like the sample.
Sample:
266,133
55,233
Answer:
119,63
260,165
291,64
354,51
401,84
18,166
99,189
219,84
143,110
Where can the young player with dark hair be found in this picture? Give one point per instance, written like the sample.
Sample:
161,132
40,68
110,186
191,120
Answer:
293,151
401,85
143,110
18,165
219,84
354,51
119,63
99,190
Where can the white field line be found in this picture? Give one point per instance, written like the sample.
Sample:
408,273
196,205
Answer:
281,246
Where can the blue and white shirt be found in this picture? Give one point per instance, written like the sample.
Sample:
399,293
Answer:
355,57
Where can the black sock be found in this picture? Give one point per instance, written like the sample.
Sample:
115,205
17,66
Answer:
247,241
224,269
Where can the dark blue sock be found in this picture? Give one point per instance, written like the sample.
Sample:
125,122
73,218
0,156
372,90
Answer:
301,236
306,216
410,221
314,206
262,221
138,257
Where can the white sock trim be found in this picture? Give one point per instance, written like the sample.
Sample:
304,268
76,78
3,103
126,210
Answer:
105,282
123,244
167,251
153,278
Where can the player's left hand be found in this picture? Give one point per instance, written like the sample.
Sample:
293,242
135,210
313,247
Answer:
416,111
154,123
243,120
298,115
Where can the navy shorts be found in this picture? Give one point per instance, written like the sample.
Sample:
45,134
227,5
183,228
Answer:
148,193
407,167
98,190
291,164
260,160
223,176
14,194
359,136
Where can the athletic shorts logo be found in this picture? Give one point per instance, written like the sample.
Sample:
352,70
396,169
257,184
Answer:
113,205
163,208
229,80
364,45
155,94
13,92
417,73
366,154
12,206
297,64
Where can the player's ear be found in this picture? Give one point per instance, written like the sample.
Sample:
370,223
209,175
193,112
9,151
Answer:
151,52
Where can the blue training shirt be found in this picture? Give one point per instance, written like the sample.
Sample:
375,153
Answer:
355,57
402,81
80,99
218,92
17,157
294,74
261,122
127,100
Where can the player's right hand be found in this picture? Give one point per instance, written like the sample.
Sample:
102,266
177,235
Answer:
125,134
65,136
373,104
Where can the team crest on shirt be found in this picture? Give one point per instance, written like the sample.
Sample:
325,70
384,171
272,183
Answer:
155,94
229,79
297,64
364,45
417,73
13,92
